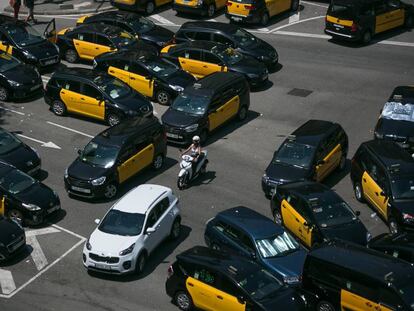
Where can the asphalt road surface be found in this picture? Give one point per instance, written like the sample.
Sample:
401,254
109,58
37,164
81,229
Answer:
347,84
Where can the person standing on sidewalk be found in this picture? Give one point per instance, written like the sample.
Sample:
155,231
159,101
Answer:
15,4
29,4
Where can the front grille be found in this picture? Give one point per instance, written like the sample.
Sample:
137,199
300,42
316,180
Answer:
77,182
49,60
98,258
15,244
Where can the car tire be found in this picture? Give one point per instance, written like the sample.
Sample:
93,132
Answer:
58,108
113,119
211,10
393,226
175,229
358,192
366,37
149,8
342,162
265,19
324,306
409,22
242,114
158,162
140,263
111,191
203,136
295,5
16,215
277,217
71,56
183,300
4,94
163,97
181,182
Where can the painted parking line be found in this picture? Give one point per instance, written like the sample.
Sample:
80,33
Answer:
69,129
14,111
37,253
315,4
297,22
7,284
301,34
294,18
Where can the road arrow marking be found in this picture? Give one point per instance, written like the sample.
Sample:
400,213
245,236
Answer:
49,144
37,254
6,282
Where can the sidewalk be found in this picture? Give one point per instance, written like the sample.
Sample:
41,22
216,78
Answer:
64,7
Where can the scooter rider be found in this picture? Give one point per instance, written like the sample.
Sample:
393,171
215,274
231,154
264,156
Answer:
195,149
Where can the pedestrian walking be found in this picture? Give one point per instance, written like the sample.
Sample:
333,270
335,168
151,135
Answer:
29,4
15,4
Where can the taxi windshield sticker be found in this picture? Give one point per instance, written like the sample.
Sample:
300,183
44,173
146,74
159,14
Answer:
398,111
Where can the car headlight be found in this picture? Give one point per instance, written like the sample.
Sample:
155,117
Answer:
407,217
176,88
98,181
31,207
127,250
291,279
30,56
88,245
369,236
66,173
191,128
378,135
13,83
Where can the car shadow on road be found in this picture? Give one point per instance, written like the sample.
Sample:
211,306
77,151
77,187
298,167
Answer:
336,176
158,257
203,179
21,256
263,87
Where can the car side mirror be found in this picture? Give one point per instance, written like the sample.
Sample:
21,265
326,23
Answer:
79,151
241,299
382,193
97,221
150,230
320,162
358,213
253,254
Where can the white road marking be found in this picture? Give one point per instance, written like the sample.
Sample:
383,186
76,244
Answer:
294,18
212,20
153,108
37,254
69,232
48,144
263,29
42,231
301,34
161,19
82,4
69,129
315,4
399,43
11,110
7,282
298,22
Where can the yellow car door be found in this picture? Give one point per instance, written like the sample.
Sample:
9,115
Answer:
101,45
6,47
231,107
283,5
354,302
226,302
215,113
120,71
290,219
2,206
83,43
271,7
140,80
329,163
212,64
92,103
70,96
380,199
381,17
367,184
143,158
192,63
396,18
201,292
126,164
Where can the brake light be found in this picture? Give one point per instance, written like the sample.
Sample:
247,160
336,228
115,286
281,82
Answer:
249,6
229,3
354,27
170,272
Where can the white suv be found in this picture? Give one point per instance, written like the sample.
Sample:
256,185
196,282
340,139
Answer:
131,229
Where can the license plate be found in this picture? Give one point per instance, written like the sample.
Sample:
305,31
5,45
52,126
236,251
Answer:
81,189
55,208
237,19
338,26
173,135
102,266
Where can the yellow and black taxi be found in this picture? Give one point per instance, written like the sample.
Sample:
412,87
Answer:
90,40
94,94
139,26
24,42
208,279
201,58
400,245
145,6
312,152
114,156
24,198
382,174
12,238
314,213
205,106
258,11
18,80
147,73
231,35
396,121
18,154
345,276
360,20
201,7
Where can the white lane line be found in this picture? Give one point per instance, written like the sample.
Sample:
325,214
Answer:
212,20
294,18
161,19
70,232
399,43
41,231
37,254
48,144
11,110
301,34
315,4
298,22
69,129
7,282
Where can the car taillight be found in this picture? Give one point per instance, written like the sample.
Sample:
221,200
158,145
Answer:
229,3
170,271
354,27
249,7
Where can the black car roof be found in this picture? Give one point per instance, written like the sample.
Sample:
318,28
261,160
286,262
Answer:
224,27
118,134
134,55
5,167
253,223
117,15
404,91
198,44
365,261
313,131
209,84
78,72
400,240
108,30
309,190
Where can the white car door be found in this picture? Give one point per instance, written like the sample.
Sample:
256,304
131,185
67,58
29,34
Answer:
152,239
165,220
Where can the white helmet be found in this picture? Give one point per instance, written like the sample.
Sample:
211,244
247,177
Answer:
196,139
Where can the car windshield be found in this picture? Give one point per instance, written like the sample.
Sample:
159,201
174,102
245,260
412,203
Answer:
112,87
141,24
398,111
195,105
403,188
16,181
23,35
342,10
161,68
330,212
122,39
295,154
279,245
244,38
122,223
8,142
99,155
7,62
228,55
260,284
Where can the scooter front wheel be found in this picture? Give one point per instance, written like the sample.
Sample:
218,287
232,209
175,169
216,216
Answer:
181,184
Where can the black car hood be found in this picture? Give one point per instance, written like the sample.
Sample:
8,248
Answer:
157,34
286,173
20,157
134,101
395,127
178,119
405,206
10,231
180,78
85,171
23,74
286,299
44,49
261,48
248,65
38,194
353,232
289,265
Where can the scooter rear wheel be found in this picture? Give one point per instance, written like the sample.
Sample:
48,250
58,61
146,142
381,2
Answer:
181,182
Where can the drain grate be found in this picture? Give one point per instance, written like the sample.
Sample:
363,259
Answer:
300,92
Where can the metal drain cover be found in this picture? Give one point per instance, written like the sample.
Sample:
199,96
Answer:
300,92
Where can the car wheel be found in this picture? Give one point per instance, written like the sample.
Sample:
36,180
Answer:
203,136
71,56
409,22
58,108
141,262
211,10
393,226
203,169
325,306
110,191
242,115
175,230
183,301
277,216
265,19
359,195
163,97
113,119
4,94
342,163
366,37
149,9
16,215
295,5
158,162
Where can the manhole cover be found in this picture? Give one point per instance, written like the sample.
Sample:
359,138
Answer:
300,92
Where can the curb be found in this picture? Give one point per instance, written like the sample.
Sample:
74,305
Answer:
64,12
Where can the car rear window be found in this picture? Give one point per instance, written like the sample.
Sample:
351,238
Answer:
342,10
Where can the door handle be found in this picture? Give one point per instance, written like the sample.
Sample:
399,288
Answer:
220,297
132,78
63,92
111,71
96,48
82,98
205,66
297,219
76,43
183,62
368,304
376,193
364,179
190,284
